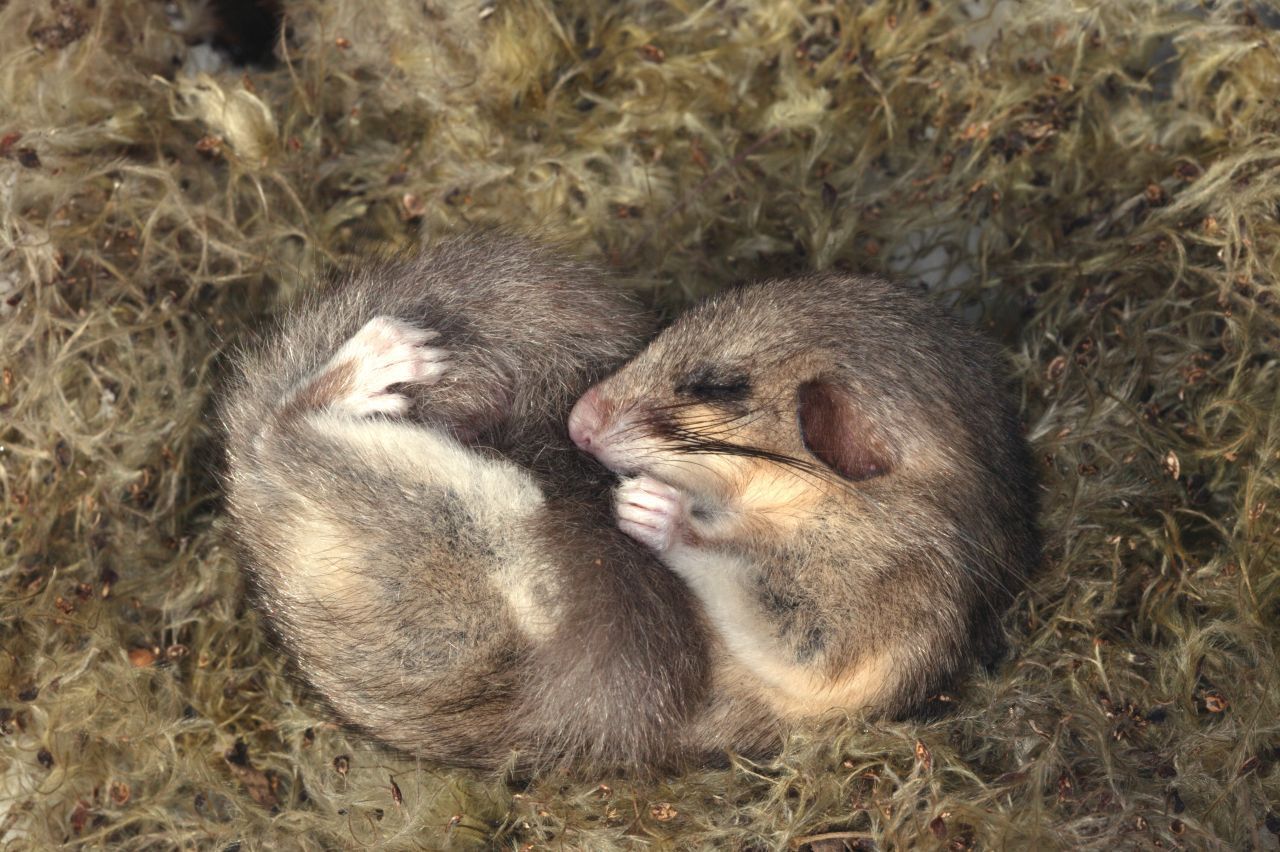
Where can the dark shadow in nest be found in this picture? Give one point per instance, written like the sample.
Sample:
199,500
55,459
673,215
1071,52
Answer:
247,30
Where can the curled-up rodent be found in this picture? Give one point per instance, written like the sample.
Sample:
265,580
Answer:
836,469
425,540
830,468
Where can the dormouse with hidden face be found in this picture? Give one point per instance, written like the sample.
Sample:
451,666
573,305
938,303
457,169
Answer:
438,558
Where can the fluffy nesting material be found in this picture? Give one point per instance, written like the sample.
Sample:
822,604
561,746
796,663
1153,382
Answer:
1095,183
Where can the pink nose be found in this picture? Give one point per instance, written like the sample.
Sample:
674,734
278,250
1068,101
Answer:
585,420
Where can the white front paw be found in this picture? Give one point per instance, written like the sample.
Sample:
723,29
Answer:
651,512
385,351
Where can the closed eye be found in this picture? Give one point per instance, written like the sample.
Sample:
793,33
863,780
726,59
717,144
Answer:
705,386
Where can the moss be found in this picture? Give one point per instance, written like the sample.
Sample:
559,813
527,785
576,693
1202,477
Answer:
1095,183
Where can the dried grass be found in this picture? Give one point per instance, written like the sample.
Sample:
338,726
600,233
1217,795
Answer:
1097,183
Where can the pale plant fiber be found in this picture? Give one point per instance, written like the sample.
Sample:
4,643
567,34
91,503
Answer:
1100,181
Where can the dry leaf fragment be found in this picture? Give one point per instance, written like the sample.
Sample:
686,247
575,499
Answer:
663,811
1056,368
1037,130
79,816
260,786
209,145
924,756
1214,702
412,207
67,27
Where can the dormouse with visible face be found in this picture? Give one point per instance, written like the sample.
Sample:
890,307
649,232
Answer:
830,469
835,468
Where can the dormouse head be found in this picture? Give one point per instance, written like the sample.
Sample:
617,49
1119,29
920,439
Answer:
786,395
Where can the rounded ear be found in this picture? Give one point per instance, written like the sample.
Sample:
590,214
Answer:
839,435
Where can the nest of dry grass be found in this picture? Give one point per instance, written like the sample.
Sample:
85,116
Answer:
1097,183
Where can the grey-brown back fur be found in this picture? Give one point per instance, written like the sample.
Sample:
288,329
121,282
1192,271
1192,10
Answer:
417,647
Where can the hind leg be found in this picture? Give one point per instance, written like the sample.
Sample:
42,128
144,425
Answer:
392,558
342,432
358,380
